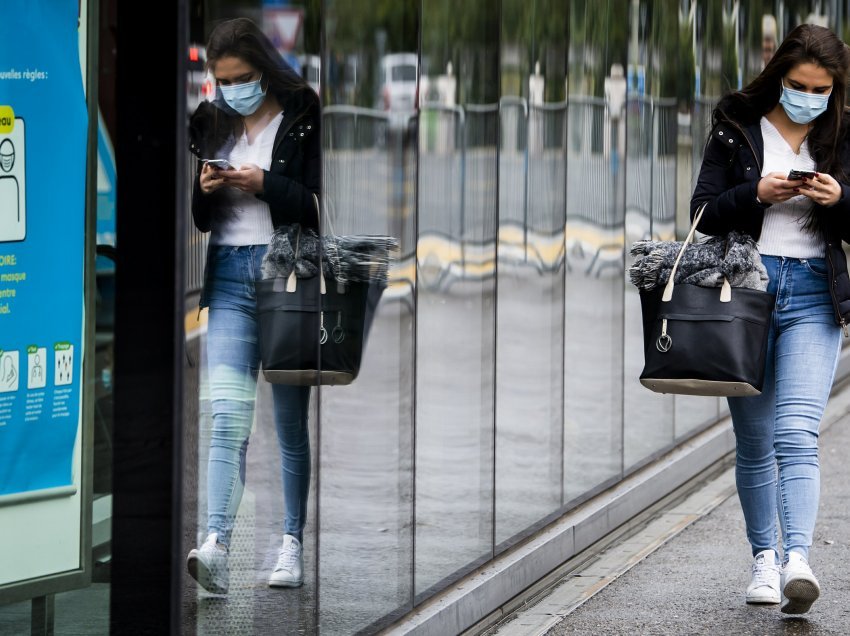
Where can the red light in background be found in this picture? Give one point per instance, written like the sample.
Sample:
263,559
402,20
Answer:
193,54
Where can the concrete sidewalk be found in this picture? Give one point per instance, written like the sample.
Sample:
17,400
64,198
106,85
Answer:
686,570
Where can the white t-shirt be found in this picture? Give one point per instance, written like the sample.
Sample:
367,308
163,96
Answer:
248,220
783,232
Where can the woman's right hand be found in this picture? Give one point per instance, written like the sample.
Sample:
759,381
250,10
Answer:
211,180
775,188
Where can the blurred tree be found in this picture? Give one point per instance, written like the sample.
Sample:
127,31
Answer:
753,15
358,33
599,35
662,76
357,22
686,62
730,68
534,31
466,34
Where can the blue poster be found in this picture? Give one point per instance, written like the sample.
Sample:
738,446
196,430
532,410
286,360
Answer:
42,235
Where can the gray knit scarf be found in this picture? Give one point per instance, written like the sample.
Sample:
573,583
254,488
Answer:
706,263
358,258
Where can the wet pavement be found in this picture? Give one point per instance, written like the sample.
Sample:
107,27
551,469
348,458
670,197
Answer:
694,583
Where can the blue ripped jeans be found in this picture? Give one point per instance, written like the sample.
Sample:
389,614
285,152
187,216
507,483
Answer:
233,362
777,432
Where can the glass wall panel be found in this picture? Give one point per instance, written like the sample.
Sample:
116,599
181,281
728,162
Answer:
717,68
690,412
514,151
532,207
593,378
370,116
456,262
250,604
658,198
720,65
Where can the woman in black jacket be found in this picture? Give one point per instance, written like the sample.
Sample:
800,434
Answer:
260,151
790,118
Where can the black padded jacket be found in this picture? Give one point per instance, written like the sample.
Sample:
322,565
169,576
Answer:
292,178
728,182
294,174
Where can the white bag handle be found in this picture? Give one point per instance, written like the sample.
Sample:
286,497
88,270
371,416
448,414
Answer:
726,289
292,281
326,219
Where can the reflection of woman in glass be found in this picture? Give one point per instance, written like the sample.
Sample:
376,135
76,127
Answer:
265,123
791,117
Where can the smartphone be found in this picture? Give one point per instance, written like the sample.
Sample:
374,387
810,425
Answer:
220,164
796,175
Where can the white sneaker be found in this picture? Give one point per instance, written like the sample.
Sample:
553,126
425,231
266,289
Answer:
764,585
208,565
289,571
800,588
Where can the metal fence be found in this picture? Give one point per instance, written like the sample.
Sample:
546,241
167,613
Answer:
461,173
196,242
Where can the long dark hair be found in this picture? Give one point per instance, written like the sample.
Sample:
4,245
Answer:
242,38
213,123
806,43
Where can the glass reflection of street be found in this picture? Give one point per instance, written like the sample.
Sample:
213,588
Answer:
499,385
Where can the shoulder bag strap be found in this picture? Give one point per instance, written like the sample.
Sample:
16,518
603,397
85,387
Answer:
726,289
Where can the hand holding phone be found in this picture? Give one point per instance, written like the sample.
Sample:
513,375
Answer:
212,176
796,175
219,164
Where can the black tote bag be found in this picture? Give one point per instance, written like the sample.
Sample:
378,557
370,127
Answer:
312,331
309,336
704,340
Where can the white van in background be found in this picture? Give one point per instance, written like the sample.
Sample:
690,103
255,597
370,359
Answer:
397,81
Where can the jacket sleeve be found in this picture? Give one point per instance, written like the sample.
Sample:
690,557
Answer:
731,204
203,204
841,210
210,133
290,200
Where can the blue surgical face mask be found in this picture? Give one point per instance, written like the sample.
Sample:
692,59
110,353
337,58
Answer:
801,107
245,98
